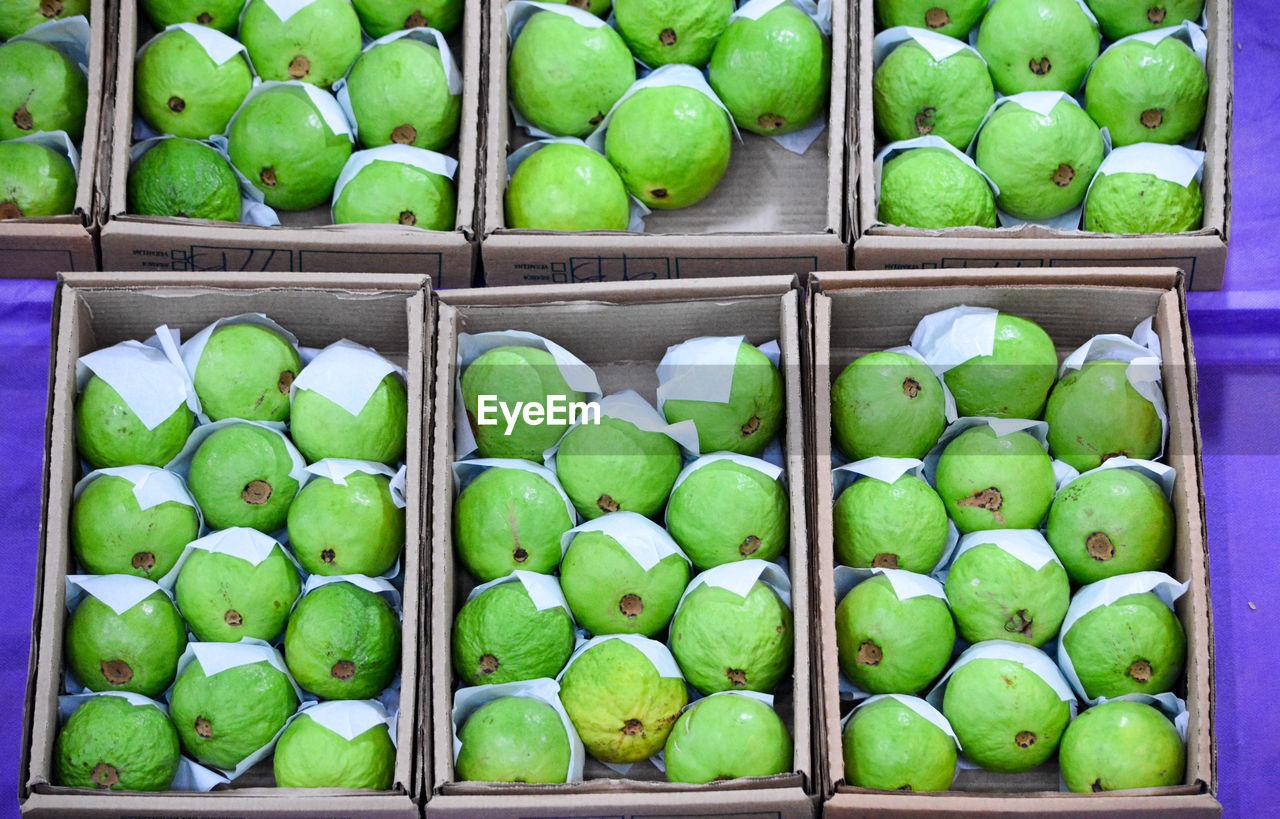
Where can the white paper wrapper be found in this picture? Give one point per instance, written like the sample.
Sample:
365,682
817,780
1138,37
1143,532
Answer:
152,486
58,141
951,337
218,46
906,585
337,470
1163,475
346,373
349,718
773,471
1029,657
151,383
182,463
119,592
543,589
646,542
193,348
891,150
377,585
452,76
429,161
1169,704
939,46
656,652
638,208
1172,163
701,369
921,707
740,578
467,701
326,105
1002,427
889,470
1027,545
667,75
253,210
629,405
248,545
464,472
69,35
284,9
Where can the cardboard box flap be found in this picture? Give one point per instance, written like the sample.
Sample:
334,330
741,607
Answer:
623,292
341,281
1155,277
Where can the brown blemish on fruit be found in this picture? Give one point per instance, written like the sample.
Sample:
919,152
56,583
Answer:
1019,622
488,664
1152,118
632,727
299,67
869,653
884,560
268,177
751,426
599,118
343,670
749,546
1121,454
10,210
1040,67
910,387
989,499
144,561
668,37
924,121
519,554
116,672
408,218
285,381
327,556
1096,787
771,122
937,18
1064,175
658,193
233,618
415,20
1099,547
22,118
736,676
904,787
177,105
607,504
256,493
1156,15
631,606
205,18
1140,671
51,9
1025,739
104,775
404,134
203,727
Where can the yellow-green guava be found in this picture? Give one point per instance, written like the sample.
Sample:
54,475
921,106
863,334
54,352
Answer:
309,755
916,95
508,519
343,642
19,16
599,8
513,739
610,593
225,598
954,18
317,44
35,181
1038,45
500,636
351,529
727,737
725,642
1142,203
44,90
178,88
245,371
995,482
400,96
614,465
514,375
1014,381
223,15
932,188
1094,414
891,646
223,718
1135,644
1120,18
752,416
136,651
995,596
381,17
240,477
659,32
1148,93
566,187
109,434
112,534
724,512
323,429
1112,522
111,744
899,525
889,747
183,179
397,193
889,405
1121,745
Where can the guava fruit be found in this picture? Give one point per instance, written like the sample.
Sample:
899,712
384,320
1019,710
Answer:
752,416
934,189
1094,414
1135,644
111,744
995,596
659,32
1112,522
725,738
282,145
223,718
225,598
670,144
322,429
614,465
599,8
1148,93
240,477
109,434
954,18
1041,164
381,17
1121,745
111,534
773,73
317,44
564,76
183,179
995,482
19,16
623,708
1120,18
223,15
35,181
500,636
44,90
511,376
889,747
1038,45
342,642
892,646
245,371
916,95
400,95
566,187
1142,203
724,512
351,529
136,651
1014,381
899,525
887,404
726,642
508,519
309,755
610,593
397,193
178,88
513,739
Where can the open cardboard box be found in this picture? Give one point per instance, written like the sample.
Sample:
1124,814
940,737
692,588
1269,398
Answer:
390,313
621,331
306,241
774,211
859,313
1201,254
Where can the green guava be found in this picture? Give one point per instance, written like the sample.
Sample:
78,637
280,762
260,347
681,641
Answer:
240,477
916,95
381,17
609,593
109,434
513,739
564,76
500,636
223,15
774,73
1120,18
512,376
954,18
623,709
182,179
309,755
724,511
899,525
599,8
111,744
889,405
223,718
343,642
670,144
725,642
1014,381
19,16
282,144
995,596
892,646
508,519
1148,93
1112,522
1038,45
1094,413
751,417
1041,164
659,32
35,181
322,429
136,651
614,465
932,188
397,193
726,738
111,534
178,88
225,598
317,44
44,90
990,482
1121,745
244,372
351,529
566,187
400,95
1142,203
889,747
1135,644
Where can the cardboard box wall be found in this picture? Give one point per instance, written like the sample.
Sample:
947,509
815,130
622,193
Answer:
854,314
621,331
1202,254
390,313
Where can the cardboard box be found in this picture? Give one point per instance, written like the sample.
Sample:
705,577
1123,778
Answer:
390,313
774,212
622,331
306,241
854,314
1201,254
40,248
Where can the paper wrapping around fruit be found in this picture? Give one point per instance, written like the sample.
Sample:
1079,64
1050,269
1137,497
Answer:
241,542
701,369
464,472
182,463
217,45
638,208
347,374
1173,706
645,541
916,704
430,36
329,109
1026,545
337,470
466,701
1163,475
120,592
1172,163
429,161
193,348
152,486
761,465
152,383
284,9
377,585
1033,659
685,76
58,141
544,590
889,471
349,718
69,35
631,407
939,46
1002,427
253,211
740,578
